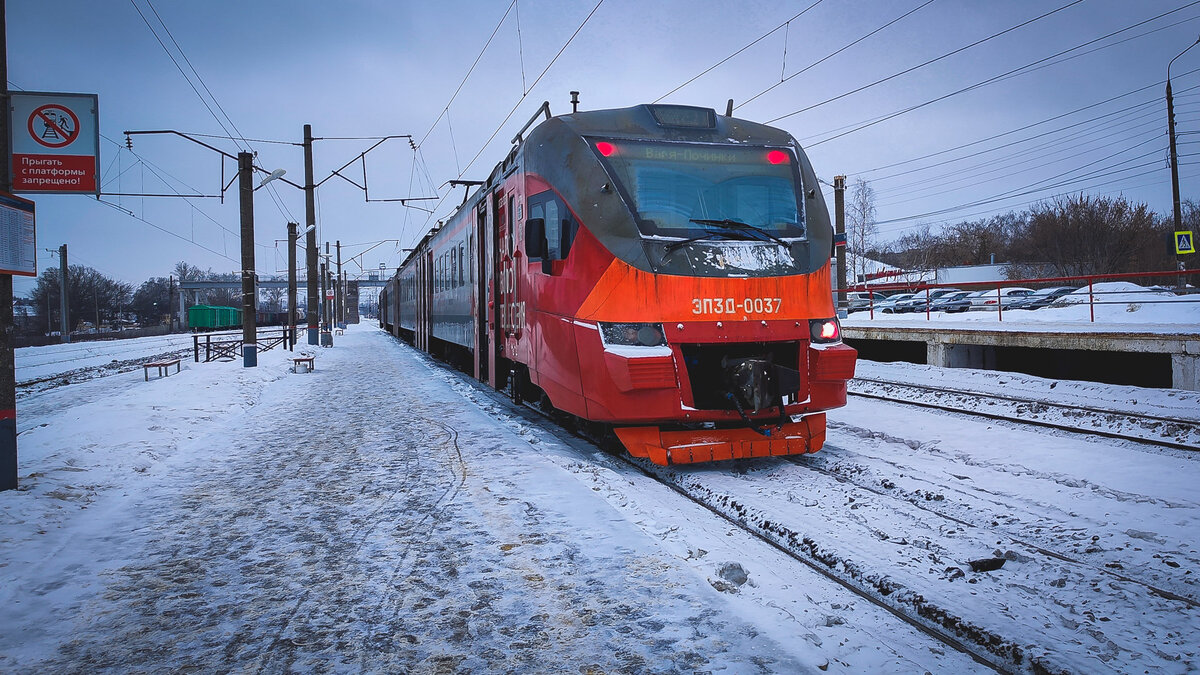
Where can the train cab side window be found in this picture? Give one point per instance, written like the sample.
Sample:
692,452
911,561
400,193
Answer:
560,226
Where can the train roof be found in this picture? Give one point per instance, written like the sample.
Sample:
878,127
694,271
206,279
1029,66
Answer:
668,122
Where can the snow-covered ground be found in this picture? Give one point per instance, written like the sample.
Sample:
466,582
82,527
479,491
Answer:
382,514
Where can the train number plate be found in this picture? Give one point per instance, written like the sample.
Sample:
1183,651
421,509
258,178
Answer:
736,305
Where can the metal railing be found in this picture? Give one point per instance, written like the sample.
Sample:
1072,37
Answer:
1095,297
218,346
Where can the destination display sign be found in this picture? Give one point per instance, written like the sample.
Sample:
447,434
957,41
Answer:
55,142
18,236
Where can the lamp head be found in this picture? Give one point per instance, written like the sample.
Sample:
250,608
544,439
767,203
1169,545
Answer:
277,173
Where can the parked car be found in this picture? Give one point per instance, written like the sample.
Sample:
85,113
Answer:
890,305
1042,297
957,301
857,301
918,301
991,299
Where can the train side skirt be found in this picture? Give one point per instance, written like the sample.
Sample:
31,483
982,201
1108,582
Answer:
709,445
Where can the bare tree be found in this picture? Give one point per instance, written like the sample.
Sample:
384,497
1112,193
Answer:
860,226
1090,235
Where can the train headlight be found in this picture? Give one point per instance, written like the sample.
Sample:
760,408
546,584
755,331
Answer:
825,331
633,334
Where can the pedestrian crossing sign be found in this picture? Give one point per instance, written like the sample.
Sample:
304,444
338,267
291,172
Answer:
1184,242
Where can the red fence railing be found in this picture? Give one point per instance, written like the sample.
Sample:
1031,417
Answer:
876,294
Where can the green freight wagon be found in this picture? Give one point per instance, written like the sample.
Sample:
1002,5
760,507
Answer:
208,317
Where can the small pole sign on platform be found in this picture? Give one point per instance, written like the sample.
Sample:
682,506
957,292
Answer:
55,142
18,236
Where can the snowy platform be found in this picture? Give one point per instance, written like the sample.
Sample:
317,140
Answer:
383,515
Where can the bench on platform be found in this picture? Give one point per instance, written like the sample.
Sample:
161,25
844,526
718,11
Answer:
309,361
338,331
164,367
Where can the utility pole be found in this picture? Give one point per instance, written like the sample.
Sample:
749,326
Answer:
340,298
249,296
1174,162
293,234
326,287
310,231
326,333
8,368
839,210
170,304
62,295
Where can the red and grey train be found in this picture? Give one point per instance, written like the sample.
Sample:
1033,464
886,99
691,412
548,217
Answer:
660,271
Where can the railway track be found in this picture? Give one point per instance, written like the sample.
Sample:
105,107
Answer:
1160,430
983,646
757,499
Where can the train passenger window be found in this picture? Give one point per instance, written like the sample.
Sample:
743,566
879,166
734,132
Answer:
453,270
462,276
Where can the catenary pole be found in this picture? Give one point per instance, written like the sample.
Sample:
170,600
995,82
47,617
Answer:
839,210
293,234
340,298
249,296
8,370
310,234
63,281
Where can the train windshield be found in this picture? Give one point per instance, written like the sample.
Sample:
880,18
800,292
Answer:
690,191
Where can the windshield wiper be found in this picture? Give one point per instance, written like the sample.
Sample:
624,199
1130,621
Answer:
738,226
668,248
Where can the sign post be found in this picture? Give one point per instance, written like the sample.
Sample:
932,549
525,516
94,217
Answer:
55,142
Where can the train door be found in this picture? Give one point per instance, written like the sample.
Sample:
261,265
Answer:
424,323
511,319
504,280
483,292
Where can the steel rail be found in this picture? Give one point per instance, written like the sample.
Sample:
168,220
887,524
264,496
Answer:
1036,422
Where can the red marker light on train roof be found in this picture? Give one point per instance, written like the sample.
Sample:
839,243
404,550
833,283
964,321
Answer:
776,157
605,148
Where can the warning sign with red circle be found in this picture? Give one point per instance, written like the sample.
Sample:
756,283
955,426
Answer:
54,126
55,142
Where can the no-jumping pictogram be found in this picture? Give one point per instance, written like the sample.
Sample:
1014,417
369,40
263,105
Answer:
54,126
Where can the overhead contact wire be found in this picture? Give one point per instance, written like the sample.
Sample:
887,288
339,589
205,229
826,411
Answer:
926,63
754,42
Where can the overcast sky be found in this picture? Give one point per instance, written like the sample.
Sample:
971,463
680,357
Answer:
1092,119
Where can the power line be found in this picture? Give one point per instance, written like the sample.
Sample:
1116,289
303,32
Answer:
469,71
133,215
926,63
520,101
835,53
994,165
1017,130
1023,69
754,42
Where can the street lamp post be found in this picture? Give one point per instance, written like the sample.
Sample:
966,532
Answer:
249,294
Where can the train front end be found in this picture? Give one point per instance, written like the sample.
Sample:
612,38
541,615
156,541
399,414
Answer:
702,321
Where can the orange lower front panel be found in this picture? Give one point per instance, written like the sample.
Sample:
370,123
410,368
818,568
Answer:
710,445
